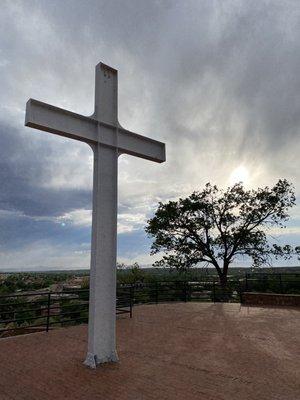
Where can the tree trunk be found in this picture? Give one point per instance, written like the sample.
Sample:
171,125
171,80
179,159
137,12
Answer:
223,275
223,280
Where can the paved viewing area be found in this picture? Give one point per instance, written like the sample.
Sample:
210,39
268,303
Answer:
167,352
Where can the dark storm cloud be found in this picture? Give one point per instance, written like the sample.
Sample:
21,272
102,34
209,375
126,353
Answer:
23,173
21,232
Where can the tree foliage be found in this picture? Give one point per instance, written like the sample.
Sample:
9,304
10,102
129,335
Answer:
215,226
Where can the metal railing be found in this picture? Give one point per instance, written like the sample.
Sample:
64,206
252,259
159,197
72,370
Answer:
272,283
27,312
40,311
154,293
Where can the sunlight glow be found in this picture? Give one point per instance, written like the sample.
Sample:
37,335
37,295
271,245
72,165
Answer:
239,174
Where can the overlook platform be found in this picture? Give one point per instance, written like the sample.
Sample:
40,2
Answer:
170,351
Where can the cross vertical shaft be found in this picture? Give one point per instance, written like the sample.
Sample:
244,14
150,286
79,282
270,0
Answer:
102,309
106,94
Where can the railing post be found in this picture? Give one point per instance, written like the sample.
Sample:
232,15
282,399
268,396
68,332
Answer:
185,292
133,294
48,311
280,283
240,292
214,290
131,300
156,293
246,282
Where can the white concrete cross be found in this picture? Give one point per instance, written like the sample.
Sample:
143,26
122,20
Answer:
108,140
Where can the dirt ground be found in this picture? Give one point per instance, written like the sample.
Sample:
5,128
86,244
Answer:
170,351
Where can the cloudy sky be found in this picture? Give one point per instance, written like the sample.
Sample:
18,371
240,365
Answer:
217,81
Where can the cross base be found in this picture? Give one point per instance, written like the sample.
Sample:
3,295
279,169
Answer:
92,360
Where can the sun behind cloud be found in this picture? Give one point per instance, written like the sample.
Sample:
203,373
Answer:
239,174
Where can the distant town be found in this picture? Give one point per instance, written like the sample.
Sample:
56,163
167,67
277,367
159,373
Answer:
58,281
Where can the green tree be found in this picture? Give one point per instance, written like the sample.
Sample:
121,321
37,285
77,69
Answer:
215,226
130,274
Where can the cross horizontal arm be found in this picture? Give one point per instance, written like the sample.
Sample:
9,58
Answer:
56,120
141,146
